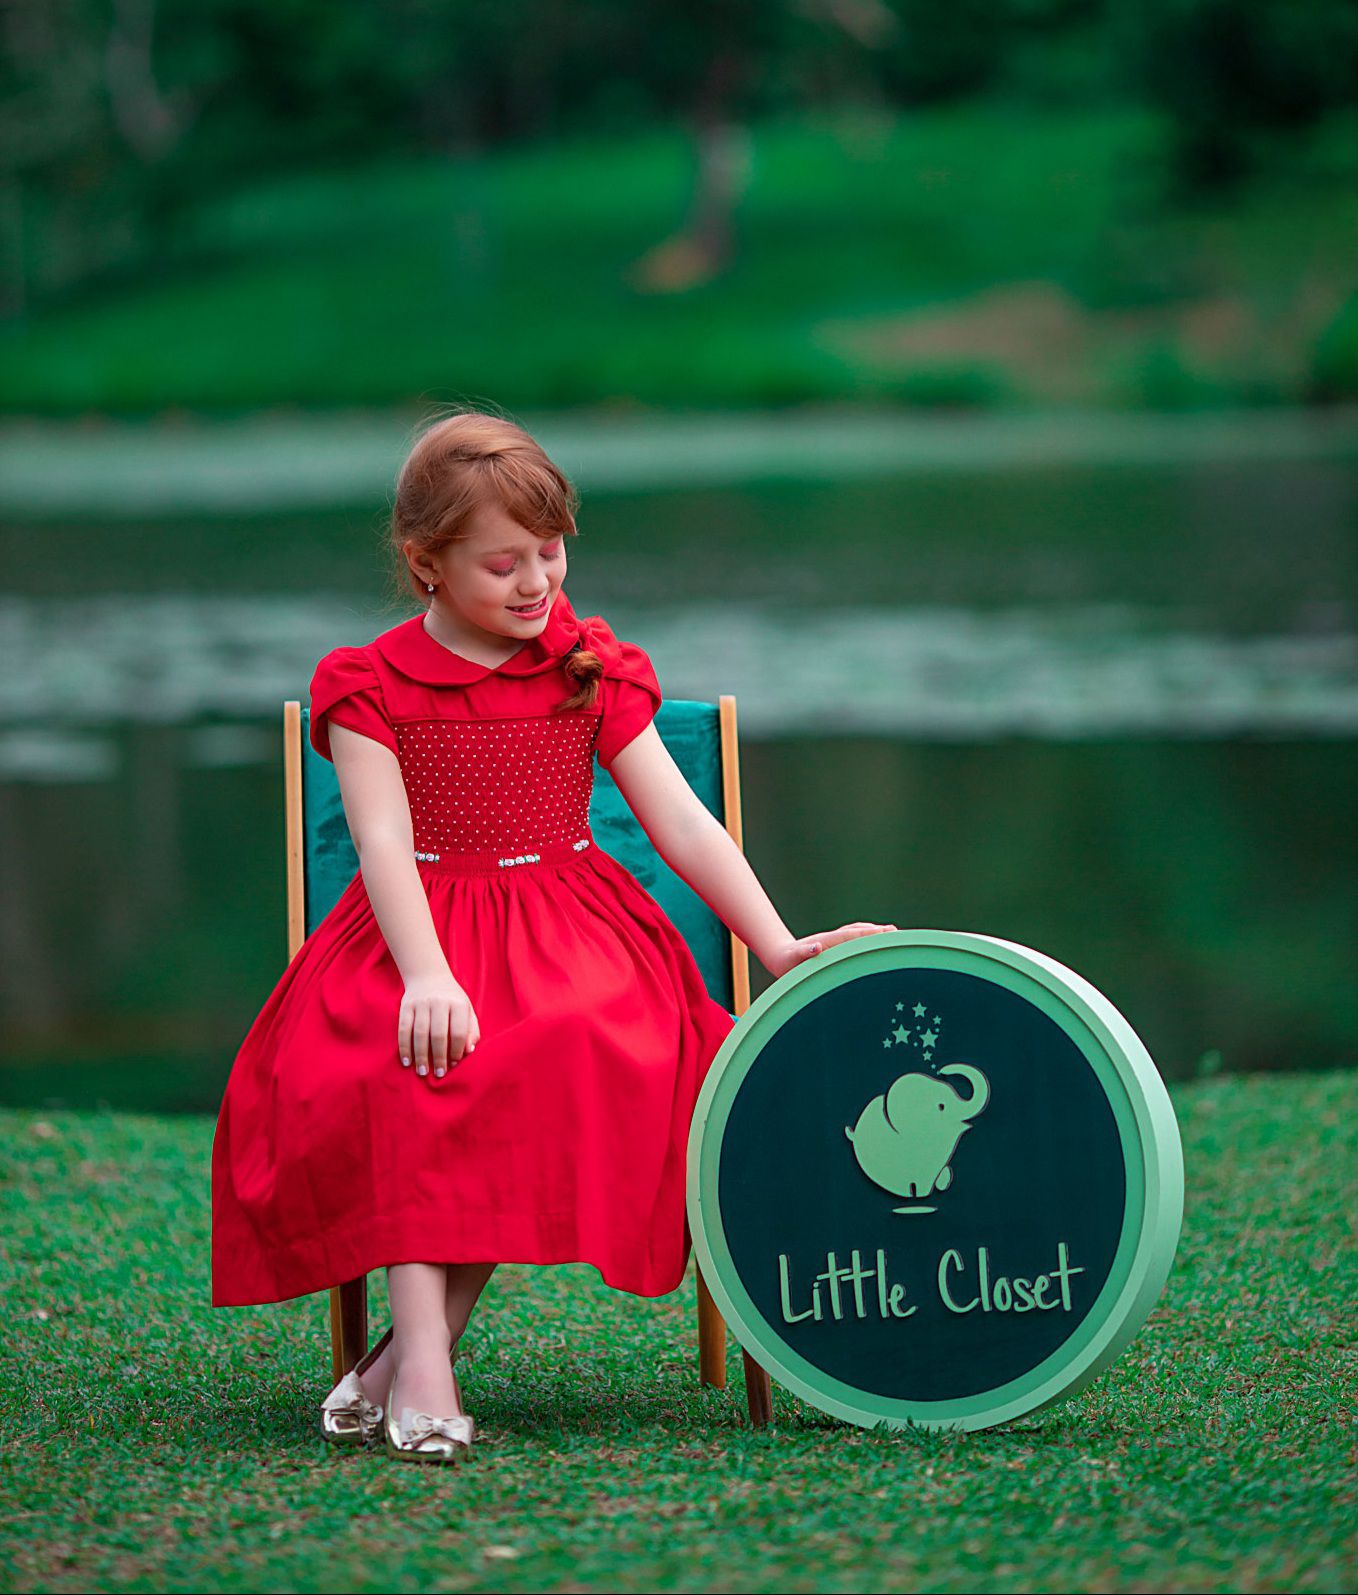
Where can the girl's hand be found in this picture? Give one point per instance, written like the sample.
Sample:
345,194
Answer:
437,1026
792,953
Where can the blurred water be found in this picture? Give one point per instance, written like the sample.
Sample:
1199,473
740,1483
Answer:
71,669
114,469
1055,687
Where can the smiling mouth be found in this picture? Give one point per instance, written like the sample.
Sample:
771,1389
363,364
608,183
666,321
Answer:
528,609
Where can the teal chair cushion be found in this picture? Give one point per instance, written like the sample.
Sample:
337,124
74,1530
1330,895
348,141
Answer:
690,729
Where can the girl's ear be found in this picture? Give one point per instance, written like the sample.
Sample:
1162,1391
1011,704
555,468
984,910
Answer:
424,570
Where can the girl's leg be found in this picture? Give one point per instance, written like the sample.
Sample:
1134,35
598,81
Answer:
422,1376
462,1285
466,1281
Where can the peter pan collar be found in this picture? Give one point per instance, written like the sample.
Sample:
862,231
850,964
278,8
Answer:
410,649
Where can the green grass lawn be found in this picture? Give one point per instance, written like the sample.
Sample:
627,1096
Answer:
152,1442
974,254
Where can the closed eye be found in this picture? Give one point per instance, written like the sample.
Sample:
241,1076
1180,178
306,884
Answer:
508,570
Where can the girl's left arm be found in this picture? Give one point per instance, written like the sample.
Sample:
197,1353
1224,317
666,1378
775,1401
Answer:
697,847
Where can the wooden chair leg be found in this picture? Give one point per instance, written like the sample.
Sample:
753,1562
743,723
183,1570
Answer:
758,1392
348,1325
711,1337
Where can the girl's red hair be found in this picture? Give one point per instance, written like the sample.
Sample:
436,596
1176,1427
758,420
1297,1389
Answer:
469,458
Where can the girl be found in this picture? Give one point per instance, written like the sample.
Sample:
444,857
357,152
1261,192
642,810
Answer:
490,1049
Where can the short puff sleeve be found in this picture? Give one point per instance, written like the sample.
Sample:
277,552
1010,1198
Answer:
345,690
631,693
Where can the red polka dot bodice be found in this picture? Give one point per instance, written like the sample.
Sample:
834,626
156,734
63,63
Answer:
498,785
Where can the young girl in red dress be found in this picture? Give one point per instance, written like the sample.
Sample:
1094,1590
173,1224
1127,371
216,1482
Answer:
490,1049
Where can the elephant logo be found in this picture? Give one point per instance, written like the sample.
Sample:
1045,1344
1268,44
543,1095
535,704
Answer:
904,1139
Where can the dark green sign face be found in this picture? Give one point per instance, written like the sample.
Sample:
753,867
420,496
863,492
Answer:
934,1178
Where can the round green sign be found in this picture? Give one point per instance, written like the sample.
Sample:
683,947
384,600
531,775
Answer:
934,1178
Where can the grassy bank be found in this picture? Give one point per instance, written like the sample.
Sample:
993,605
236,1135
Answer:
979,255
151,1442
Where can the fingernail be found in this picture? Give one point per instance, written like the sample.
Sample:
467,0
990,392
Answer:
406,1062
439,1073
421,1069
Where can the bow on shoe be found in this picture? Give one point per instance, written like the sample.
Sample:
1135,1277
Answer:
423,1426
348,1397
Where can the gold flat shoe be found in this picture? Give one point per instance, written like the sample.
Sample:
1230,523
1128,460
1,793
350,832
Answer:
419,1437
347,1416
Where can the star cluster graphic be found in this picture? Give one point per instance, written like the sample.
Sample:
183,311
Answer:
915,1028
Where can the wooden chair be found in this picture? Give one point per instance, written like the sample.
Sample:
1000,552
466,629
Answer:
321,862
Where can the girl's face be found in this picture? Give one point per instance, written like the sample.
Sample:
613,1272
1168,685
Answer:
498,579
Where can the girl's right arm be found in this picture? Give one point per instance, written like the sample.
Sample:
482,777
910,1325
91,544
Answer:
437,1025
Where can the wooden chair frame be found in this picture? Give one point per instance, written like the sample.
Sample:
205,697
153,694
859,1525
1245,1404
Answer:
349,1301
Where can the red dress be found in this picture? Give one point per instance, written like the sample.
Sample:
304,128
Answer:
562,1138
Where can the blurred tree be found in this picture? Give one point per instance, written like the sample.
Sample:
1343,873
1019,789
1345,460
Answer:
943,51
717,53
67,196
729,55
117,116
1236,75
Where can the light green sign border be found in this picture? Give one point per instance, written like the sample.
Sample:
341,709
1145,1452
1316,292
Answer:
1147,1128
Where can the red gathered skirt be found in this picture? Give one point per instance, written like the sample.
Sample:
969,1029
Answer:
562,1138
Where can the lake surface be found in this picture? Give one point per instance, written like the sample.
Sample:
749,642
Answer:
1101,704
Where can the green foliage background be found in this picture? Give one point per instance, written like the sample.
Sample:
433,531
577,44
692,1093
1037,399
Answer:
118,118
